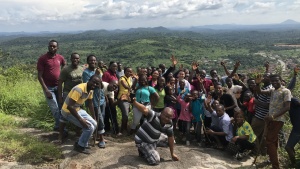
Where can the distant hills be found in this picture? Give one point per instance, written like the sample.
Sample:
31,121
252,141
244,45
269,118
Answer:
285,25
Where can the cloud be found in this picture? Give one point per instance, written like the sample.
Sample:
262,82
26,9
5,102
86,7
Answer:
126,13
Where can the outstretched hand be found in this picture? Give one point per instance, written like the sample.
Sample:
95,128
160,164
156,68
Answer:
173,60
237,64
223,63
267,65
296,70
195,66
258,79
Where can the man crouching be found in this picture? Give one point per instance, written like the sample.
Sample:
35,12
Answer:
149,133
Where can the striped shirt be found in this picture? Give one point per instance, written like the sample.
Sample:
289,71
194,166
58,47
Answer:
79,94
261,112
151,129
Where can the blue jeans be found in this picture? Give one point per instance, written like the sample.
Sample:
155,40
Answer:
100,116
54,105
86,132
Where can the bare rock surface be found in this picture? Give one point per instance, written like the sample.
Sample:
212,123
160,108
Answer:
121,153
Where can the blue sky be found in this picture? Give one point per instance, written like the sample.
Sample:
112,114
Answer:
70,15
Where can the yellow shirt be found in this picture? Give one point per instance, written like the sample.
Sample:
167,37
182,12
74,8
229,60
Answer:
246,130
79,94
122,90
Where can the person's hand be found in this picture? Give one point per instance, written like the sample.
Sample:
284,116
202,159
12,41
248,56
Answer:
209,131
195,66
234,139
236,77
296,70
267,65
268,118
258,79
48,94
199,78
104,66
84,123
192,117
174,157
223,63
237,64
208,99
98,70
135,76
173,60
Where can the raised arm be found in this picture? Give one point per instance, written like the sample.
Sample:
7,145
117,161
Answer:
225,68
194,71
140,107
236,66
172,67
258,80
292,83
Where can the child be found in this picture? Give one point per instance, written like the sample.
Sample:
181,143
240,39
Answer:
170,101
185,116
197,109
183,91
249,104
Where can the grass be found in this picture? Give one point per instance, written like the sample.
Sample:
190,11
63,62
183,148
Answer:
21,147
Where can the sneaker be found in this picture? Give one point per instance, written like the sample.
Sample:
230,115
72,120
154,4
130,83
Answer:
246,152
238,156
80,149
188,143
101,144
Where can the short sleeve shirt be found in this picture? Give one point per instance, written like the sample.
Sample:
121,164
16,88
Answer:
79,94
71,77
246,130
51,68
142,95
277,99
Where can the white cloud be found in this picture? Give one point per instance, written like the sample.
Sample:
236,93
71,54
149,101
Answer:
140,12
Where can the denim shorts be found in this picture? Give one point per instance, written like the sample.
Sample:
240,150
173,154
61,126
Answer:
294,138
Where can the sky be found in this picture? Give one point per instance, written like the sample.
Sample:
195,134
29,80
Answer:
75,15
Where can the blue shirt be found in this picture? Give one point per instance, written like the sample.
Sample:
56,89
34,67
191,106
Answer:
142,95
86,75
226,126
198,109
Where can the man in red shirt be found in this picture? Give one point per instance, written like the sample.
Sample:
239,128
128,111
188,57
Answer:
49,66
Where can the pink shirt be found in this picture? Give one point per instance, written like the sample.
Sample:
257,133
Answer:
185,113
51,68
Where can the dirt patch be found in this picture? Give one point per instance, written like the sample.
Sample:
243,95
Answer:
122,153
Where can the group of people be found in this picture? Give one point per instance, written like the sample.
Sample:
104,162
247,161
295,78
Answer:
209,109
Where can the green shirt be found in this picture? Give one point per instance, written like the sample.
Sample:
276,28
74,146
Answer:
160,104
71,77
246,130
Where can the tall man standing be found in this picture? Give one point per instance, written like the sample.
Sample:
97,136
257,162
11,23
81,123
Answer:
70,76
49,66
279,104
